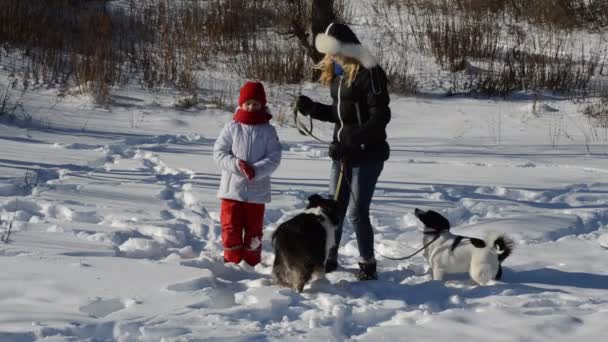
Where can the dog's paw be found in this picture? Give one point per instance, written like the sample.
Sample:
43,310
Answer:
438,274
483,277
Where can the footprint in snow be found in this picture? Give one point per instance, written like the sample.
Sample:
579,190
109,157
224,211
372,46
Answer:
603,240
99,307
194,284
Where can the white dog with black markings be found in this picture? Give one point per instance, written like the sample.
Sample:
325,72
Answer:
448,253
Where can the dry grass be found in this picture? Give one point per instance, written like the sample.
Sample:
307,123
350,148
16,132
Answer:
453,40
553,14
489,47
277,63
598,111
163,43
156,43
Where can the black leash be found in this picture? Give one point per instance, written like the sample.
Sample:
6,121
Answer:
308,132
303,129
411,255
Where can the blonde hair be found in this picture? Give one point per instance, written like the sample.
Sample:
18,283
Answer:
326,65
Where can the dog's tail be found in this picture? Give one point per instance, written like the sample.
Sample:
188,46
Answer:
502,245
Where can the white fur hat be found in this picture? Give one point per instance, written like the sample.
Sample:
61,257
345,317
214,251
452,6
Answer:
339,39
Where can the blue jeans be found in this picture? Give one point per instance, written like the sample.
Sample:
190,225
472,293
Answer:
355,196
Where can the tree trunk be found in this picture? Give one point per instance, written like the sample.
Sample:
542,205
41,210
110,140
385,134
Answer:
322,15
305,26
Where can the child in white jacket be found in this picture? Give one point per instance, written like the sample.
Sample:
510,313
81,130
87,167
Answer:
248,152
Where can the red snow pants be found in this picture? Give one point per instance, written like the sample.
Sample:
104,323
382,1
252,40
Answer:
242,225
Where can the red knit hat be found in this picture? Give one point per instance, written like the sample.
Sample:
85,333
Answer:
253,91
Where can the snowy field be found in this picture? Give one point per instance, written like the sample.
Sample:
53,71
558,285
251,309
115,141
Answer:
115,232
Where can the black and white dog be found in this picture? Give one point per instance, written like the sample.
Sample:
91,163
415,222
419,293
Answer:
451,253
301,244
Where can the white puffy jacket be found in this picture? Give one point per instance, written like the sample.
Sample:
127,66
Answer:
259,146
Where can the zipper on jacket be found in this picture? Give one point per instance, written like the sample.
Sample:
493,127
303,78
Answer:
360,121
249,143
339,114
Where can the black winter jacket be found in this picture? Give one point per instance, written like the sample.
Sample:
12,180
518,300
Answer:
361,113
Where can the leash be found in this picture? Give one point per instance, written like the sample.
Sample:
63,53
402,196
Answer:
303,129
411,255
339,184
308,132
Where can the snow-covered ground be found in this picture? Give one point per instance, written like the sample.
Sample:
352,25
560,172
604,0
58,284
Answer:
115,232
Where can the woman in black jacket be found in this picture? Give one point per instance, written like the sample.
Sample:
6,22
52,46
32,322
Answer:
359,149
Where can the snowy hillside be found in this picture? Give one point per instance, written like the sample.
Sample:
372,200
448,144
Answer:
115,232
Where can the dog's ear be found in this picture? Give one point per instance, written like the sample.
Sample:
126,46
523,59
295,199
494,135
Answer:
314,201
438,221
432,219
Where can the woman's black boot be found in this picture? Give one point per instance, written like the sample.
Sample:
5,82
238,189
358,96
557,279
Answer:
367,271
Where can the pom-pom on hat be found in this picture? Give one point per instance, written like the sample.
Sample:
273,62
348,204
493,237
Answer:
339,39
253,91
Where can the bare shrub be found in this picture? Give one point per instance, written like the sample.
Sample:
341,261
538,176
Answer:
484,45
563,73
598,111
304,19
343,10
291,18
231,25
96,47
497,82
221,93
400,80
553,64
171,43
157,43
392,19
60,29
189,101
12,109
553,14
4,102
561,14
453,39
273,62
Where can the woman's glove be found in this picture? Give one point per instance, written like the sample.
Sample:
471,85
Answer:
246,169
338,151
304,104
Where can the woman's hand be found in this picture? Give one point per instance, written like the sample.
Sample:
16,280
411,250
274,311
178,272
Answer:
338,151
304,104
